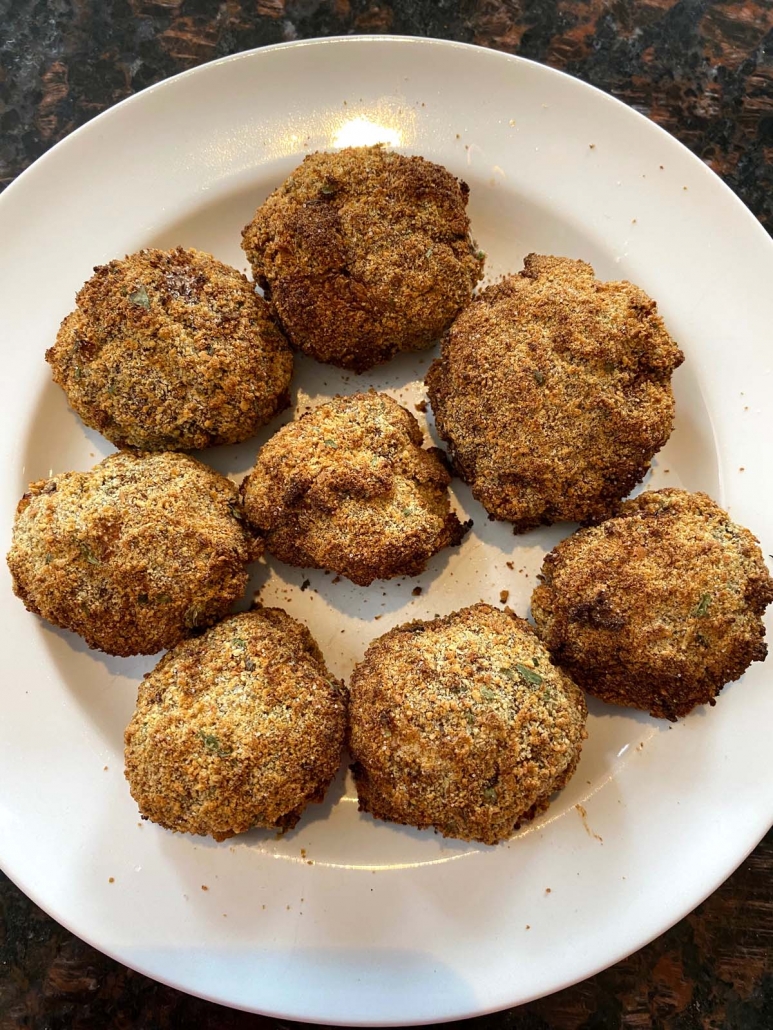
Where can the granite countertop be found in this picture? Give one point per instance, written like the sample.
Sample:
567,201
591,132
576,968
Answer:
704,71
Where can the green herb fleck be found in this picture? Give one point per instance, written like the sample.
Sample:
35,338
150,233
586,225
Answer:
529,674
702,606
488,693
539,376
88,554
140,298
480,254
143,599
78,373
192,616
233,507
490,794
328,189
337,686
164,599
535,661
49,559
429,252
212,744
240,642
507,671
407,511
331,443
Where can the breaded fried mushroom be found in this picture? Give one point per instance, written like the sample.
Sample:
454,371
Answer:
462,724
657,608
135,554
240,727
553,391
172,350
364,253
348,487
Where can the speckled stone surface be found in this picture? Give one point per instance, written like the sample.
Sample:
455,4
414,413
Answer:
704,71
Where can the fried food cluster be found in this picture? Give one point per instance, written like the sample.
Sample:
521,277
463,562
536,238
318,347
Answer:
553,392
135,554
364,253
348,487
463,724
172,350
240,727
659,607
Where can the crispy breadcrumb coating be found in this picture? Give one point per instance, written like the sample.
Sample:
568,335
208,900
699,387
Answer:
463,724
364,253
348,487
135,554
658,607
240,727
172,350
553,391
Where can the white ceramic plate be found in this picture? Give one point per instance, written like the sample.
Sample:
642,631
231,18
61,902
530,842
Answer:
346,920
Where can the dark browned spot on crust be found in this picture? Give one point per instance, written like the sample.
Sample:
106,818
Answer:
135,554
240,727
348,487
172,350
553,391
658,607
463,724
364,253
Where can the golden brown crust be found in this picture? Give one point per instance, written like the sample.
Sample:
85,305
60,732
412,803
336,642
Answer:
172,350
348,487
658,607
135,554
364,253
240,727
553,392
462,724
